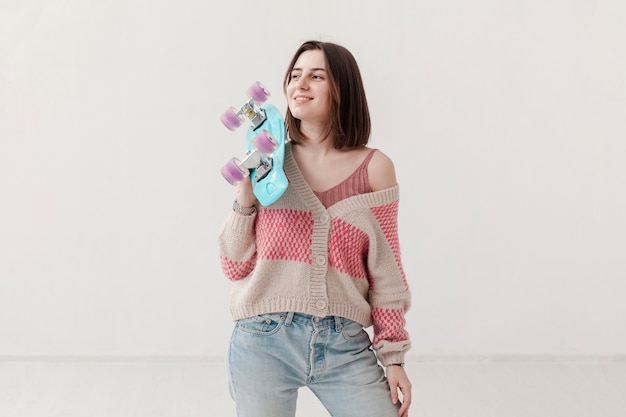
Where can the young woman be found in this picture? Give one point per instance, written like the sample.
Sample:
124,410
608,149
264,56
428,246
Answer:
313,269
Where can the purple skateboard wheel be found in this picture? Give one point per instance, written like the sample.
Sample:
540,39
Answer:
258,93
264,143
232,172
230,119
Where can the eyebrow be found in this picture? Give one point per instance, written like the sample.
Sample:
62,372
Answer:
312,69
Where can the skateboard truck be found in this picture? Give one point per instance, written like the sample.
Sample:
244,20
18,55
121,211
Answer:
255,115
251,109
253,160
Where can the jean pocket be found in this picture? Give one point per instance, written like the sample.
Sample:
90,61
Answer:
263,325
351,330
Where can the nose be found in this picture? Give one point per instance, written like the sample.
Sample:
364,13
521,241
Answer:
301,83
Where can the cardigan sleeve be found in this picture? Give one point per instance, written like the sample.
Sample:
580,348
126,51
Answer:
237,246
389,295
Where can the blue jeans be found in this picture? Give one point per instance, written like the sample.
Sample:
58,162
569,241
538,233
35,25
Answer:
271,356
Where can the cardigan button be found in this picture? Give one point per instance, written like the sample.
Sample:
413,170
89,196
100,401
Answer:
320,260
320,304
324,218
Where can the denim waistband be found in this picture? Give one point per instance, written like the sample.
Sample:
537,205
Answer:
319,322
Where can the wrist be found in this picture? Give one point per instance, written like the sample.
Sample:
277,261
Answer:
243,210
400,364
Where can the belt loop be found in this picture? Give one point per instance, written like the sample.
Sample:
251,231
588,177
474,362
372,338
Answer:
338,324
289,318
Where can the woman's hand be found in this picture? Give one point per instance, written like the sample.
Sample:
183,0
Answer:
398,380
245,196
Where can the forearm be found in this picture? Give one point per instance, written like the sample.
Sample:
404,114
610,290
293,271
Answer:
237,246
391,340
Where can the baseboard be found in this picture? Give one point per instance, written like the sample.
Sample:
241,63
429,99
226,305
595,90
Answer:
427,358
110,358
414,358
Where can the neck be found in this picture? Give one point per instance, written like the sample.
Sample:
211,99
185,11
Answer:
316,132
316,150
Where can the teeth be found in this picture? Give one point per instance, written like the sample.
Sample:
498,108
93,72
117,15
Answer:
302,99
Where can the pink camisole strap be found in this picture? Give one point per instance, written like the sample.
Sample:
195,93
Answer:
356,183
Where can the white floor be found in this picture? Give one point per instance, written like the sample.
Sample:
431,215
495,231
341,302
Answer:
450,388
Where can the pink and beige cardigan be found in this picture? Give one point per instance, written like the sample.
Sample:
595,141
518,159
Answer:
344,260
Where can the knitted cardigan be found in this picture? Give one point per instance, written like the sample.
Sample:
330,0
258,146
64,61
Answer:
296,255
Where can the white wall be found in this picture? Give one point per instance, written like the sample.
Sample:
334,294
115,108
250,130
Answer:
506,121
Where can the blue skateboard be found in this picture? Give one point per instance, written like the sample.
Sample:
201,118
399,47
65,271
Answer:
265,146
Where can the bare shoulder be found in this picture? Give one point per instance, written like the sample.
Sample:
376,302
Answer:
381,172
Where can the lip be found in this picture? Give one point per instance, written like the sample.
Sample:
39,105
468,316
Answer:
302,99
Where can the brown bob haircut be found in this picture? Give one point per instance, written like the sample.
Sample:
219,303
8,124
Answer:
349,123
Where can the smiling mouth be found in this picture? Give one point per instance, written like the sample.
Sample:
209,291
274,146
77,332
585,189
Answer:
302,99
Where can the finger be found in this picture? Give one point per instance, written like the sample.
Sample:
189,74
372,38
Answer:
406,394
403,411
406,402
403,408
394,395
393,388
245,194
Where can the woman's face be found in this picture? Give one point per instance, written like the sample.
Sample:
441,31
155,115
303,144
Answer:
308,91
